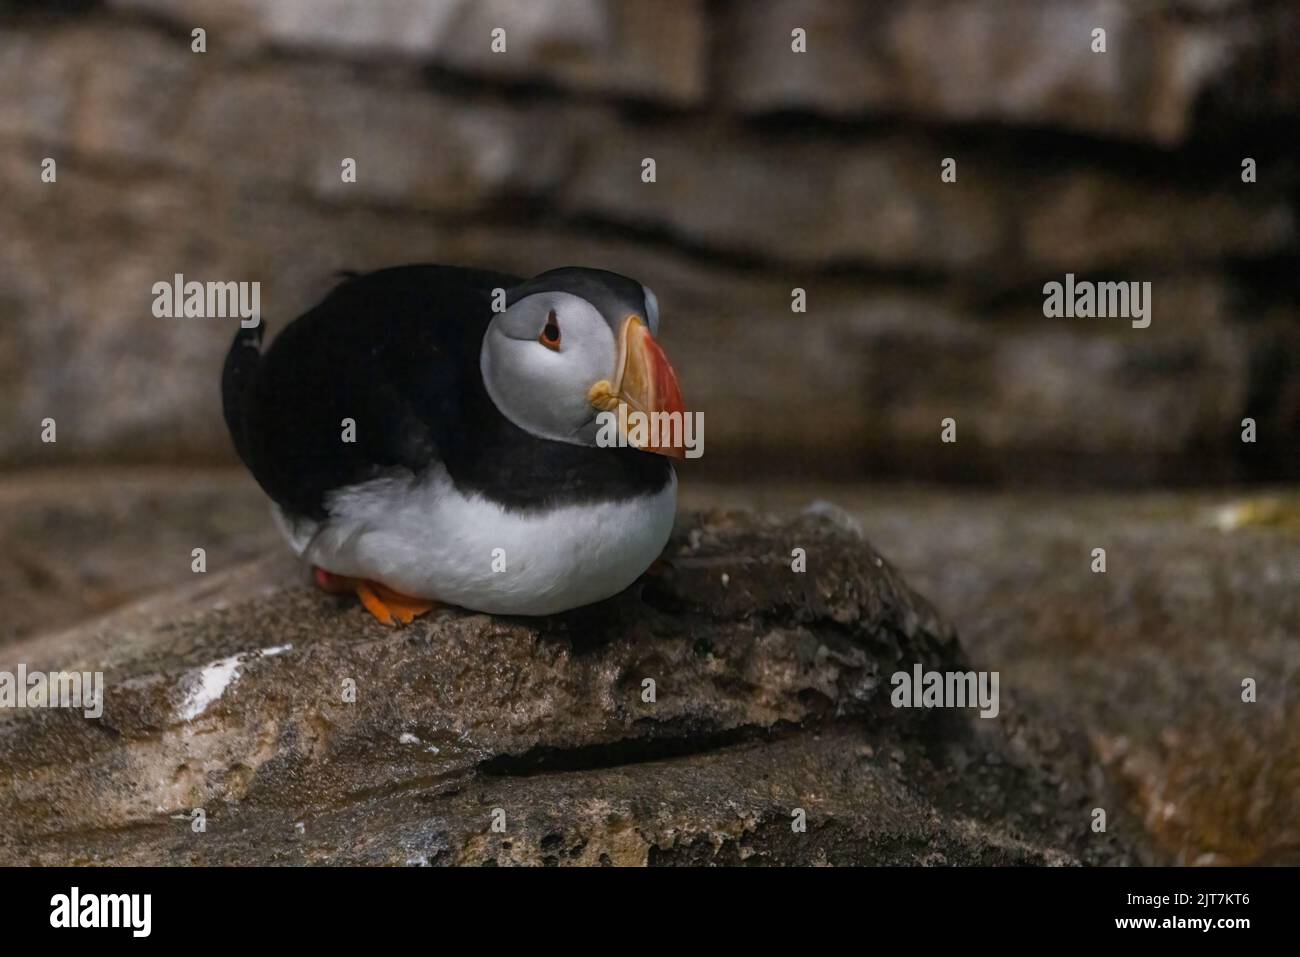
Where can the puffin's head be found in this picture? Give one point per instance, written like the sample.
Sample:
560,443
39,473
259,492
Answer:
573,343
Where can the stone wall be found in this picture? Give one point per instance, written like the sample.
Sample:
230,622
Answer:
775,170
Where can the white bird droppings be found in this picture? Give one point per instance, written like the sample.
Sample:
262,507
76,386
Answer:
211,681
209,686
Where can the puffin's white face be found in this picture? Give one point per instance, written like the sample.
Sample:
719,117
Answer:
552,362
541,356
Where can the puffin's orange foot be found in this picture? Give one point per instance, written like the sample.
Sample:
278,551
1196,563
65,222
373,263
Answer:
388,607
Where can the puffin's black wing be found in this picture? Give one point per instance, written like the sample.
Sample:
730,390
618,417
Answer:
392,351
242,361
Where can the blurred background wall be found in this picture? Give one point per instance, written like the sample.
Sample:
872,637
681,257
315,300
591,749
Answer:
775,170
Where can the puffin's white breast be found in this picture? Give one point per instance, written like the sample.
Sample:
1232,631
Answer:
425,538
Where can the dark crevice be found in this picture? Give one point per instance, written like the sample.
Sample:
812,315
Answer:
29,11
1209,156
666,238
672,740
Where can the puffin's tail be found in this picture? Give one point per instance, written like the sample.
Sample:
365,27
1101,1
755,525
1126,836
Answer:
237,383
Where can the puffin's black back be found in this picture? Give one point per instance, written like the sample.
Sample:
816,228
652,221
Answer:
397,351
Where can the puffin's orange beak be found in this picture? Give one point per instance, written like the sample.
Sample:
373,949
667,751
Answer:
644,382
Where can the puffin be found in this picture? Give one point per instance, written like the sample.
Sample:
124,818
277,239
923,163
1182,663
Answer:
432,435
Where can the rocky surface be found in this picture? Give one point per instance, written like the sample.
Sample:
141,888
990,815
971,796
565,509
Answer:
1201,591
651,51
80,545
775,171
230,694
1119,690
1018,61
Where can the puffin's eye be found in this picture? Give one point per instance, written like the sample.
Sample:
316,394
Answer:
550,336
